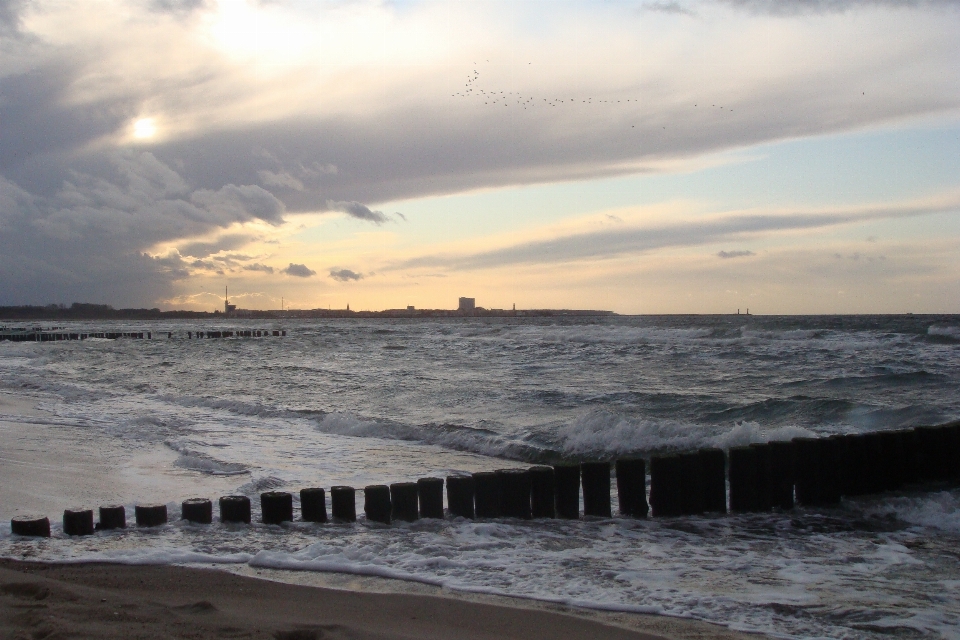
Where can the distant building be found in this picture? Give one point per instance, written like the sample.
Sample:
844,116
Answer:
410,307
467,304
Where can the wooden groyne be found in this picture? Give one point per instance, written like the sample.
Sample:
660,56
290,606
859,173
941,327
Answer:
55,334
773,476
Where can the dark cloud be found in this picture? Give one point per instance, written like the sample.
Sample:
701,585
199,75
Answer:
626,241
299,271
259,267
735,254
357,210
345,275
223,243
86,241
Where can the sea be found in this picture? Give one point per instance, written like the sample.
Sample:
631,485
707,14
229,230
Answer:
372,401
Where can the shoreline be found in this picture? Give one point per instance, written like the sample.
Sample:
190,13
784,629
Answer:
148,601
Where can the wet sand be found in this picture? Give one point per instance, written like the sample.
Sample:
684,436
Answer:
40,600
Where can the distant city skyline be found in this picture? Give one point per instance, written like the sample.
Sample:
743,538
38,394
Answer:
692,156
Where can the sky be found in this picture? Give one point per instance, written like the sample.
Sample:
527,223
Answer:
641,157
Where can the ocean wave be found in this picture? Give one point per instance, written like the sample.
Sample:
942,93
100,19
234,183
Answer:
605,433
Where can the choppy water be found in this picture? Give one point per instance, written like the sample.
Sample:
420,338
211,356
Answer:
364,401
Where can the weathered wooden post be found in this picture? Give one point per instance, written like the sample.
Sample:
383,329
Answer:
460,496
691,484
595,477
404,500
542,493
430,496
197,510
78,522
665,497
781,472
30,526
514,493
313,505
567,484
235,509
150,515
807,471
631,487
343,504
744,495
713,467
112,516
276,507
376,503
487,494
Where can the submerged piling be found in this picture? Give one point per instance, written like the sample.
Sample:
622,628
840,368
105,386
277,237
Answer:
78,522
30,526
514,493
150,515
276,507
460,491
235,509
404,501
197,510
632,487
112,516
566,479
376,503
430,495
313,505
343,504
486,494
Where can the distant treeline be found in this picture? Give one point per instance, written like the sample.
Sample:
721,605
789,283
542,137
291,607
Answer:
86,311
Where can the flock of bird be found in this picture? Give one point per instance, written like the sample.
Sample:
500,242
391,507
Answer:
471,89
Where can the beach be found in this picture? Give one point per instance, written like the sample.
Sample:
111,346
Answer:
99,600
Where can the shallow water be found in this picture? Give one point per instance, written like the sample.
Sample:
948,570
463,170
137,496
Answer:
371,401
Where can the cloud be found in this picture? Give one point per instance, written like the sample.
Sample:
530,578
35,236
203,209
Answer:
223,243
299,271
265,269
344,275
796,7
735,254
281,179
610,243
252,131
357,210
667,7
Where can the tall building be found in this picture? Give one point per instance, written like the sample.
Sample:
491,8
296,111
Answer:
467,304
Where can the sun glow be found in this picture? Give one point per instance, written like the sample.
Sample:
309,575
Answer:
144,128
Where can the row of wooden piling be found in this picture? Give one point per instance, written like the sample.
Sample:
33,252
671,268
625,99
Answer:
54,336
761,477
241,333
38,335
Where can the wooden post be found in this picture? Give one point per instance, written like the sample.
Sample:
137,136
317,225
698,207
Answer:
78,522
235,509
460,491
487,494
376,503
404,501
313,505
567,485
343,504
713,467
514,493
150,515
665,486
112,516
276,507
542,492
197,510
430,496
632,487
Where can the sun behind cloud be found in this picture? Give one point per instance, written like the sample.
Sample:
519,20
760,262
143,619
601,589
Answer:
144,128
